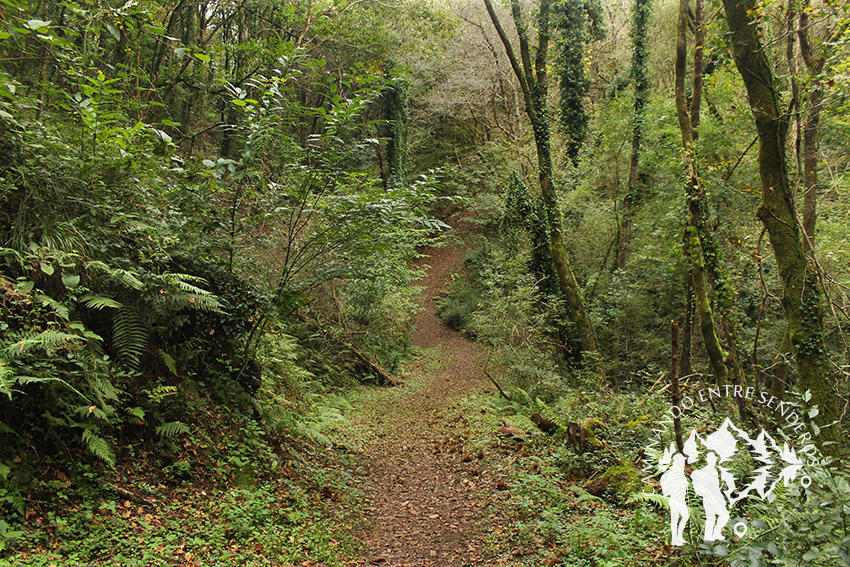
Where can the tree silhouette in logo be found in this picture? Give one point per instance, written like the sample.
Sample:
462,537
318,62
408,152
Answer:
713,459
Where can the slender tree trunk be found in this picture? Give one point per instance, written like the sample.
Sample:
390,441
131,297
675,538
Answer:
793,72
676,397
688,330
811,135
640,22
395,96
699,64
533,81
697,231
811,131
801,297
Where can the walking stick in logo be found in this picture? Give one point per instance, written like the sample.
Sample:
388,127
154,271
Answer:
714,483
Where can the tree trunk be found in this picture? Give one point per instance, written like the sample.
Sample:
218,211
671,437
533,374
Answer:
811,131
801,296
533,81
685,368
395,104
696,231
699,58
640,21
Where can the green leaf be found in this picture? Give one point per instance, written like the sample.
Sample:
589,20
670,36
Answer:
37,24
172,123
202,57
238,102
70,280
180,52
47,268
116,33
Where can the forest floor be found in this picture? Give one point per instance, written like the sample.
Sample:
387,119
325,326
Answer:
428,494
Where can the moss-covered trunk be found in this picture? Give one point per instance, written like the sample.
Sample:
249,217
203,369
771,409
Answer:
534,82
640,76
801,296
697,230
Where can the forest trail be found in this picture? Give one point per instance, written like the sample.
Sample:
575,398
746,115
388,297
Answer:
425,491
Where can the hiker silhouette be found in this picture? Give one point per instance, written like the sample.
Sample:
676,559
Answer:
706,482
674,485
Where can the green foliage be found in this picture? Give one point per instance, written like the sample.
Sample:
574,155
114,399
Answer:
801,525
395,100
523,213
463,294
55,343
551,512
579,22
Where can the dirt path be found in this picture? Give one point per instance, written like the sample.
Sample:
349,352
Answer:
425,490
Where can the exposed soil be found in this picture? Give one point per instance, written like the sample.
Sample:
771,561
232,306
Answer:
426,490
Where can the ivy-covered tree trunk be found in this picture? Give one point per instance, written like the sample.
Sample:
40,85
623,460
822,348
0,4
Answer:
534,83
697,231
395,100
801,296
640,76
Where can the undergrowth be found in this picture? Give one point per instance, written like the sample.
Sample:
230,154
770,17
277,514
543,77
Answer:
229,495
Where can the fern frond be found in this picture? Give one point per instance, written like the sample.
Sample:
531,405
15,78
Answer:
172,429
7,378
184,300
61,310
136,412
99,266
26,380
204,303
183,281
128,279
129,336
169,361
125,277
190,295
44,340
102,386
98,446
189,288
659,499
14,253
99,302
159,393
310,431
93,411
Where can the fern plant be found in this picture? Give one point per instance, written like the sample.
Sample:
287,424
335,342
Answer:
60,309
